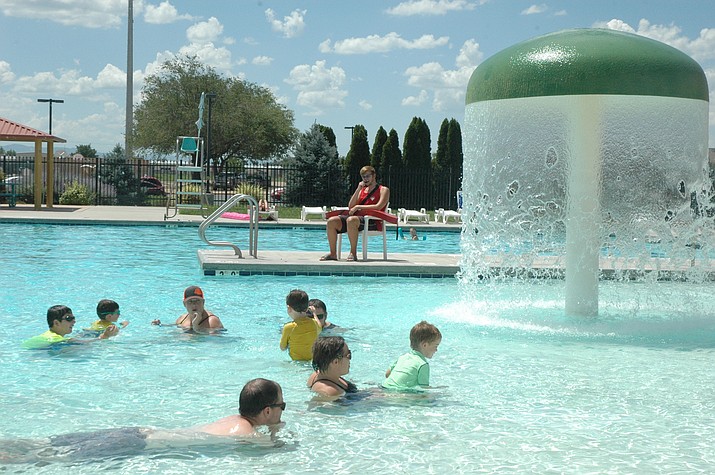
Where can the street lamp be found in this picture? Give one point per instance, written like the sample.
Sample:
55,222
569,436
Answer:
58,101
352,130
210,96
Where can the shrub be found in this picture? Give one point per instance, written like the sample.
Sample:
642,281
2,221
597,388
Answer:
191,188
250,189
76,194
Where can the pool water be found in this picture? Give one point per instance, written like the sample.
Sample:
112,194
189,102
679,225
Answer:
521,388
313,239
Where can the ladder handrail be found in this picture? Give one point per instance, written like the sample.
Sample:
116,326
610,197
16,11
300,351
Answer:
252,224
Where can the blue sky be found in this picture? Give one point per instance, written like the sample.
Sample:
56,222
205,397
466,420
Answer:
371,62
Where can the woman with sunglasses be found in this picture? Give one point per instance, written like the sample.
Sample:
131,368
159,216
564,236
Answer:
331,361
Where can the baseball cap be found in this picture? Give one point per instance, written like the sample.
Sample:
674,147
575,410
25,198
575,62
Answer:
193,291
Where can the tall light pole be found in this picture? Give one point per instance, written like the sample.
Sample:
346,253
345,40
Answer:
129,105
352,131
210,96
51,101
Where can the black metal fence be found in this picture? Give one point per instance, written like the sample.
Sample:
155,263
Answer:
150,182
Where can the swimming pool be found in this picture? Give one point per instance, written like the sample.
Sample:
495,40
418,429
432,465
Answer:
524,388
313,239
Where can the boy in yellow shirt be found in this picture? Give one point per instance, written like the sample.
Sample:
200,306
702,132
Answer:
299,335
108,313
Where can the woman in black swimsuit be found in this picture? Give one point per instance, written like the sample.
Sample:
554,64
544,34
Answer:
331,360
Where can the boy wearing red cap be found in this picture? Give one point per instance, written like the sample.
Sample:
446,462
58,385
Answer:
196,318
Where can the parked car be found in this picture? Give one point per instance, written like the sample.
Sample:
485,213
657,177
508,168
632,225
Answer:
277,194
255,178
226,181
152,186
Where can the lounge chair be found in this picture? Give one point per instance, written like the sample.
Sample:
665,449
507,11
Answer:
405,215
271,214
446,214
312,210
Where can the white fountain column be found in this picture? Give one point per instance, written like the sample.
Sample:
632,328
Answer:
583,209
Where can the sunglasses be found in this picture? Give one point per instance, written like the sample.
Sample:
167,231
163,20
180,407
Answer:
68,318
320,316
111,313
282,405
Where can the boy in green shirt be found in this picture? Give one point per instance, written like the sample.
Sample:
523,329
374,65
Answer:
411,370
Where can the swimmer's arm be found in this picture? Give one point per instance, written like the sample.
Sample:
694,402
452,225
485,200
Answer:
158,323
387,373
284,337
124,324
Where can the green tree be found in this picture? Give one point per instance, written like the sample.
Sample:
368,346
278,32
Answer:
441,160
330,137
86,151
115,171
391,154
358,156
417,162
456,158
246,120
319,177
376,156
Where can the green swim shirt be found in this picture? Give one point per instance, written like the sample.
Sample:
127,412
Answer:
408,372
43,341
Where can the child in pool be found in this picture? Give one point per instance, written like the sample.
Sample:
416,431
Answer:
299,335
411,370
108,313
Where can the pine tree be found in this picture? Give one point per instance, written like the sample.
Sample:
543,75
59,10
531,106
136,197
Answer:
358,156
391,157
318,179
376,156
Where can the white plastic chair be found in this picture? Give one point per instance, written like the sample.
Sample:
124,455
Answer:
312,210
405,215
446,215
366,234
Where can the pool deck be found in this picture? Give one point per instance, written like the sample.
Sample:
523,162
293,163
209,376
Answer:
222,262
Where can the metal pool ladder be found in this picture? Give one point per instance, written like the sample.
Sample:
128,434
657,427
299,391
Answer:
252,225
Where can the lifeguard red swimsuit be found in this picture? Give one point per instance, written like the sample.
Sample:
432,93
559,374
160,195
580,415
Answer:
373,199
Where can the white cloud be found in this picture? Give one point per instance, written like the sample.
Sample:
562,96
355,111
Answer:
432,7
318,87
291,26
85,13
164,13
364,105
701,48
535,9
447,86
111,77
6,74
208,53
561,13
469,55
72,83
262,60
381,44
205,32
415,100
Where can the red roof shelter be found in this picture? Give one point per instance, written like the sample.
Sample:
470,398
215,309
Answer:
13,132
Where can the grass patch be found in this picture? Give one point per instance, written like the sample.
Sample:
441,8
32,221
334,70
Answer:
284,212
